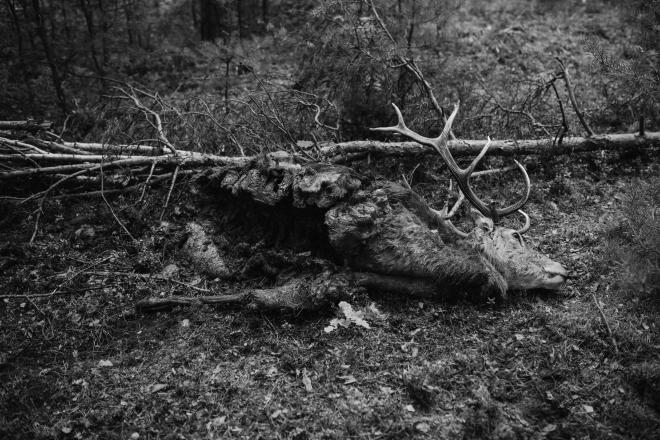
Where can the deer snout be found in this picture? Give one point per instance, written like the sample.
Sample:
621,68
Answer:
555,268
556,273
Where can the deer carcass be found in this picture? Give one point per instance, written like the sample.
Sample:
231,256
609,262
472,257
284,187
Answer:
381,235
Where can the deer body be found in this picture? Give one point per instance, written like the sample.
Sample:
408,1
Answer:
391,231
391,238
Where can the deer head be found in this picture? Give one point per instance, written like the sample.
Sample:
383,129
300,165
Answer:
521,267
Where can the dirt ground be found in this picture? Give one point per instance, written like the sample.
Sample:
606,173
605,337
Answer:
83,364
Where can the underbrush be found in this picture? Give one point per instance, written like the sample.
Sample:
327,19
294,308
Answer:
635,241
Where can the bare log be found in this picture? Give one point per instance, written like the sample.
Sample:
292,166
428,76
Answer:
88,162
30,126
356,150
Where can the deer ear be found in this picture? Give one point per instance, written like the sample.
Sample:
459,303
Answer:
481,221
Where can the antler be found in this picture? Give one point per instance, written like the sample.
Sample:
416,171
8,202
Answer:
461,175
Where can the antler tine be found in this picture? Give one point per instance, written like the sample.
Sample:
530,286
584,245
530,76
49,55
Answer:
444,216
402,129
525,228
459,202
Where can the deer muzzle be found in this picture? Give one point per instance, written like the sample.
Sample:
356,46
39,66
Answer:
556,275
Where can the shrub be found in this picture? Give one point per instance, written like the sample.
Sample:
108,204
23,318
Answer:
637,240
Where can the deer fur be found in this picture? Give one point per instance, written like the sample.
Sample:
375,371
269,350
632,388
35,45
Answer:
391,231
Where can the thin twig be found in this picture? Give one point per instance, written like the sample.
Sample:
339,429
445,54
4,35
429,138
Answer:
127,189
413,68
506,110
146,183
169,193
15,143
607,325
571,96
62,284
564,123
190,286
112,211
40,208
158,125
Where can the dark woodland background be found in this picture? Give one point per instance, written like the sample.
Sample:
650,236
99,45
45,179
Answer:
227,66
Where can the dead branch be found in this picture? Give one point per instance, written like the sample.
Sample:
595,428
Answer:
564,123
57,146
118,149
571,96
169,193
112,211
158,304
202,160
413,68
157,124
607,324
357,150
18,144
146,183
155,180
30,126
511,111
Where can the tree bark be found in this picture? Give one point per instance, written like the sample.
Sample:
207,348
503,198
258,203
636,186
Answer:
355,150
25,125
210,26
21,53
50,56
89,20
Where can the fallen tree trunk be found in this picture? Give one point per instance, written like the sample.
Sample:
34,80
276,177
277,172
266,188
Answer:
25,125
355,150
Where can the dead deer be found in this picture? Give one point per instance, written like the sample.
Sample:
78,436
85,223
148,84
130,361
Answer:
384,235
397,241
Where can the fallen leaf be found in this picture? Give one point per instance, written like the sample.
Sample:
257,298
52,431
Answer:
422,427
354,316
157,387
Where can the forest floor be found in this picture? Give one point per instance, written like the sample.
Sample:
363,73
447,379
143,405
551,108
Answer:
81,363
